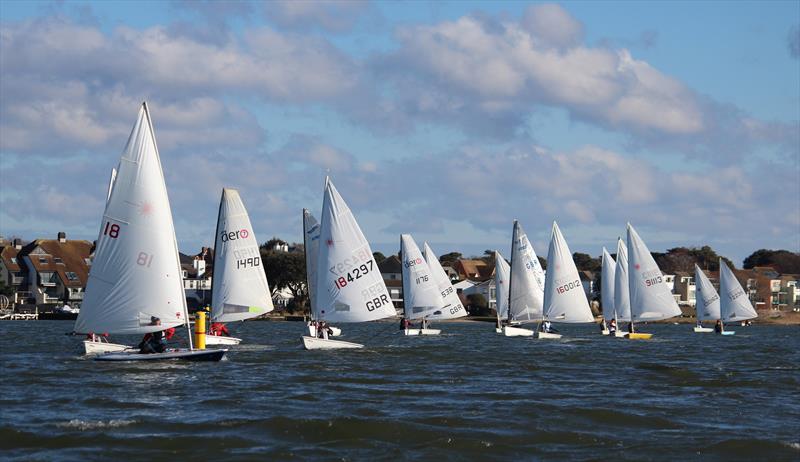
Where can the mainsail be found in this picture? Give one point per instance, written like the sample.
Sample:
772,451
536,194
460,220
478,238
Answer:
136,271
622,300
453,308
735,305
527,279
421,295
706,297
564,298
239,286
607,286
651,298
502,276
349,287
311,244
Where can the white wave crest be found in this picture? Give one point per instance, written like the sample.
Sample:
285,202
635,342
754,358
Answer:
84,425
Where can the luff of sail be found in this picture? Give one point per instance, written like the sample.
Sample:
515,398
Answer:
622,301
564,298
239,285
707,300
607,285
350,287
453,308
651,299
421,295
136,271
527,279
311,245
502,276
734,306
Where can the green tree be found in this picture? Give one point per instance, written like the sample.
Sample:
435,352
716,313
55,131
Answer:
449,258
270,244
783,261
6,290
585,262
477,305
286,270
379,257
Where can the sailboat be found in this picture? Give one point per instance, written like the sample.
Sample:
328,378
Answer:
453,308
607,289
526,285
651,299
349,286
707,300
502,277
564,298
135,279
622,301
735,305
311,247
239,288
421,295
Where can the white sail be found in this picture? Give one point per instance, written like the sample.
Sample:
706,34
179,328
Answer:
453,308
651,298
622,300
311,244
607,285
350,287
111,181
239,286
502,276
564,298
421,295
735,305
527,279
136,271
707,299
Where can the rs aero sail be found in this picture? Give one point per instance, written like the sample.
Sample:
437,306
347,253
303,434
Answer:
421,295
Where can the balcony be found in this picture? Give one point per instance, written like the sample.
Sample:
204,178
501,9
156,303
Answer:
17,280
76,296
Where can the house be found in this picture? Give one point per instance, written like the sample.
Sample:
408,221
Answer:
391,268
476,270
57,269
685,288
486,288
588,282
11,273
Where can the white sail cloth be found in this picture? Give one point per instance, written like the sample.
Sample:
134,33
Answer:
622,301
651,298
564,298
735,305
239,286
502,276
707,300
136,271
607,285
311,244
349,286
453,308
527,279
421,295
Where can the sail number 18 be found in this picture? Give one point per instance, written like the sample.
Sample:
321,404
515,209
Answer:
354,274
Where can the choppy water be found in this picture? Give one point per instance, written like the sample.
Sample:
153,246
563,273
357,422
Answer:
467,395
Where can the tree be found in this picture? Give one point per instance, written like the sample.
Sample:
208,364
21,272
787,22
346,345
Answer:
286,270
449,258
542,262
477,305
6,290
379,257
270,244
782,260
585,262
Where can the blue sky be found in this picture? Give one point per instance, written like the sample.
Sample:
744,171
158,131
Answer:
446,120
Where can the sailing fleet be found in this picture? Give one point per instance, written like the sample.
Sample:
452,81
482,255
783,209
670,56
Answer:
135,284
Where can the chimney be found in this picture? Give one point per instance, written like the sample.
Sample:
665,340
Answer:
62,236
18,244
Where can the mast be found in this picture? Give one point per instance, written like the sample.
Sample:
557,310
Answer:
403,278
305,259
510,269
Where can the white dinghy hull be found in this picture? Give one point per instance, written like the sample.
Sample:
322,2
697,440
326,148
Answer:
184,355
548,335
509,331
422,331
221,340
98,348
703,329
314,343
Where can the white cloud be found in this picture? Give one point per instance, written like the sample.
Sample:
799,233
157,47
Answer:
551,25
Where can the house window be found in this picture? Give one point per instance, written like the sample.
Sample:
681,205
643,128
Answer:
43,260
13,260
58,260
71,275
88,261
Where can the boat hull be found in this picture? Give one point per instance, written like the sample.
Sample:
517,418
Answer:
703,330
605,332
422,331
182,355
98,348
509,331
548,335
639,336
728,332
221,340
314,343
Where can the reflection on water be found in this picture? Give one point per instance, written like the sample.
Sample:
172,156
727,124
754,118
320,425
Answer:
467,394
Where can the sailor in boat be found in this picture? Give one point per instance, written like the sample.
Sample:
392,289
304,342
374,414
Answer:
323,330
156,342
612,326
547,327
631,330
218,329
404,324
603,326
719,327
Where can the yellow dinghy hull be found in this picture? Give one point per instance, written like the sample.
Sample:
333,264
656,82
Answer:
639,336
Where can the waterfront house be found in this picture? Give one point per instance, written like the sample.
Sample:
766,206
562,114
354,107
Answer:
11,273
57,269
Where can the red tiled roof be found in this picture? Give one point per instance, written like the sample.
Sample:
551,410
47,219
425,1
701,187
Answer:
72,254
